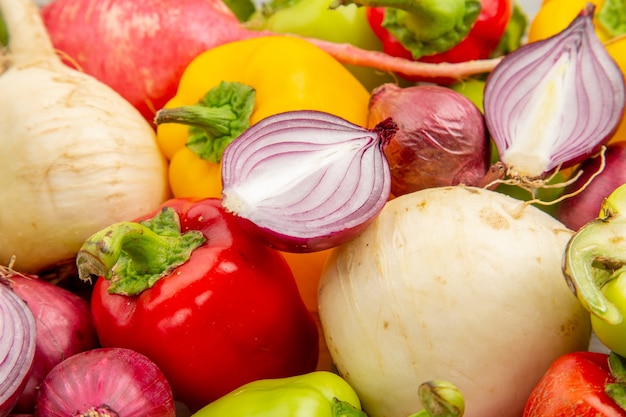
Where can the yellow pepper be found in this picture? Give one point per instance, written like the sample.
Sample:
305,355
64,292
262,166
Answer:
286,74
554,15
617,49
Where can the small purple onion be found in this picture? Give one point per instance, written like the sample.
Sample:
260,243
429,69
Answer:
105,382
17,346
306,180
553,103
64,328
441,140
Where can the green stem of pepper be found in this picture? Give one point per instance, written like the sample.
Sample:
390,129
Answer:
425,27
215,120
596,254
134,256
221,115
432,14
440,399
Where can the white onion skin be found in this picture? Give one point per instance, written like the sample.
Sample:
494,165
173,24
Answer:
73,160
452,283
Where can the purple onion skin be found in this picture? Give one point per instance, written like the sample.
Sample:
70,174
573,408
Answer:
576,211
122,380
441,140
64,328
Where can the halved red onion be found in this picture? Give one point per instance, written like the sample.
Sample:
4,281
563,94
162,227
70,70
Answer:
105,382
64,328
17,346
554,102
307,180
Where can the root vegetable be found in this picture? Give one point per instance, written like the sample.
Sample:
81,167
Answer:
455,283
74,155
143,46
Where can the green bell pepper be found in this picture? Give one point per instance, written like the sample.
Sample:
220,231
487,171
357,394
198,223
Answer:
316,394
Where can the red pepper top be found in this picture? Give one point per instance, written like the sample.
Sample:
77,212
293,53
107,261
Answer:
481,41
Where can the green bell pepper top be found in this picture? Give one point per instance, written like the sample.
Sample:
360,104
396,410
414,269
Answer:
316,394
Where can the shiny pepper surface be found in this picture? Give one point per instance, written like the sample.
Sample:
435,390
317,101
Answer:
212,306
286,74
316,394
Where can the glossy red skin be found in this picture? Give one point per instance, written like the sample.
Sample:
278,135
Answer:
574,386
230,315
482,39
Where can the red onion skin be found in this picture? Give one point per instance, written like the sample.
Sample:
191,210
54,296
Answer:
576,211
64,328
125,381
441,140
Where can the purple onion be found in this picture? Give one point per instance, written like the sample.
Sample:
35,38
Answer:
64,328
17,346
307,180
105,382
553,103
441,140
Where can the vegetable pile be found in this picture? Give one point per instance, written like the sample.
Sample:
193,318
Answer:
310,207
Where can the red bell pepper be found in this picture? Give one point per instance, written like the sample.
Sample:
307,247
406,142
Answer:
482,39
212,306
581,384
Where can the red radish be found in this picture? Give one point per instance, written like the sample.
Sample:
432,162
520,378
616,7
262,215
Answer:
583,207
140,48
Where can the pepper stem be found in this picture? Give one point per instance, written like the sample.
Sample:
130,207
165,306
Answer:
440,399
215,120
134,256
595,255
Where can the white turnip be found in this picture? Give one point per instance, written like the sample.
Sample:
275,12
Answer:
455,283
141,47
74,155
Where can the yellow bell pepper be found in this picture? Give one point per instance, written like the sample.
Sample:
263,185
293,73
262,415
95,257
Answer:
286,74
555,15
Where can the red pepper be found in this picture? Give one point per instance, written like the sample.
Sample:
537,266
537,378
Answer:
482,39
222,311
575,385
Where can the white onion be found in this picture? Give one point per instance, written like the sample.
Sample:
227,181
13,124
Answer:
74,155
455,283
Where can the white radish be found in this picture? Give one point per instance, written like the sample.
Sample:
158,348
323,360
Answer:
74,155
454,283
